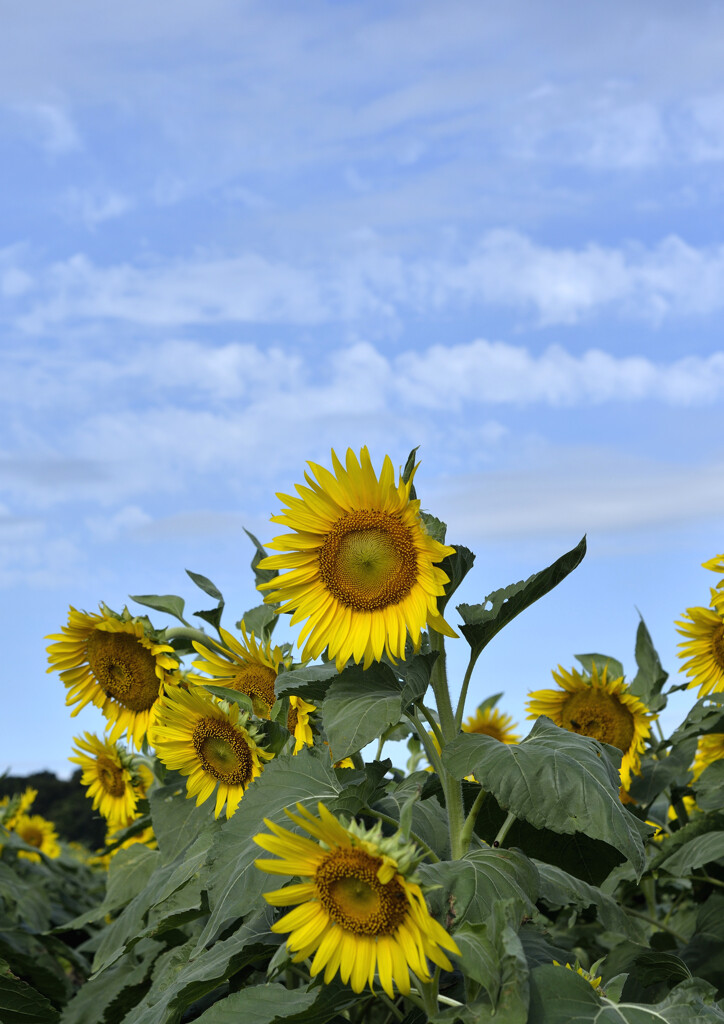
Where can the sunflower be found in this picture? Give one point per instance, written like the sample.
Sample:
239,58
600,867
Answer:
146,837
248,667
37,832
12,807
298,722
715,564
599,707
112,661
209,741
115,783
593,979
704,645
709,750
488,721
358,908
361,563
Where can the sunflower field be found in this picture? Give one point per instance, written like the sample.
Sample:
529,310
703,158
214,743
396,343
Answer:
265,861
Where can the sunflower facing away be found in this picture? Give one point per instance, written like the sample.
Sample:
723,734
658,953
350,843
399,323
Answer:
709,750
249,667
704,645
360,563
488,721
115,783
599,707
212,743
358,909
37,832
111,662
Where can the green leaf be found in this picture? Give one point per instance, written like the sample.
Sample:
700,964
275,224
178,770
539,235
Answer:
482,623
470,888
359,705
177,822
553,779
650,677
457,566
262,575
434,526
699,826
429,820
243,700
21,1004
704,953
416,674
559,889
235,885
258,1004
700,850
706,716
206,585
311,682
94,997
709,787
128,873
259,620
601,661
657,774
168,603
408,470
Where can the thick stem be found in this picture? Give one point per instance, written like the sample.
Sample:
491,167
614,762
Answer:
430,719
429,747
451,786
188,633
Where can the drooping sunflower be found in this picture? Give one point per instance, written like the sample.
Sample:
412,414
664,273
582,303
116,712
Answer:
298,722
360,563
111,661
488,721
704,645
115,783
212,743
599,707
358,909
249,667
38,832
709,750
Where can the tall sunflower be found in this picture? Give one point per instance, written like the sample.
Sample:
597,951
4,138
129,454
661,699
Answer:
213,744
488,721
298,722
249,667
38,832
704,645
115,782
361,563
599,707
358,909
113,662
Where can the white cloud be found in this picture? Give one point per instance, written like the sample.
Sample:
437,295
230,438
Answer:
128,519
93,207
52,127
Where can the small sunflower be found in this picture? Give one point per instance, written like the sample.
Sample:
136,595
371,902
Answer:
358,908
298,722
214,744
599,707
709,750
146,837
36,831
704,645
112,662
361,563
12,807
591,977
115,783
248,667
488,721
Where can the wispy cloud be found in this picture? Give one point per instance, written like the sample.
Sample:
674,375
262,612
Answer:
94,206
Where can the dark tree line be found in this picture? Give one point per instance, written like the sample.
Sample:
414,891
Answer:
64,803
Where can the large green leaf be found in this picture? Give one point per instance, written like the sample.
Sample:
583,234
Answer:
559,889
470,888
666,769
457,566
553,779
700,850
259,1004
360,705
94,997
128,873
429,820
482,623
706,716
651,676
416,673
310,682
235,885
21,1004
171,604
177,821
709,787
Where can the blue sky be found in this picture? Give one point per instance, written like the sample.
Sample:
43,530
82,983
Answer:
235,235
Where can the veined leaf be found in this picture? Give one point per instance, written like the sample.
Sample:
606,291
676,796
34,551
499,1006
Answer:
168,603
358,706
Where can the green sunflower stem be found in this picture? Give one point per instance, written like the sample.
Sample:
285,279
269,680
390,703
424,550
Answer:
187,632
504,829
452,788
460,710
467,832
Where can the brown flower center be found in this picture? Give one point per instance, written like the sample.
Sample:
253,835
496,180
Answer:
33,836
717,646
368,560
110,776
223,752
292,719
348,887
257,682
599,714
124,669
